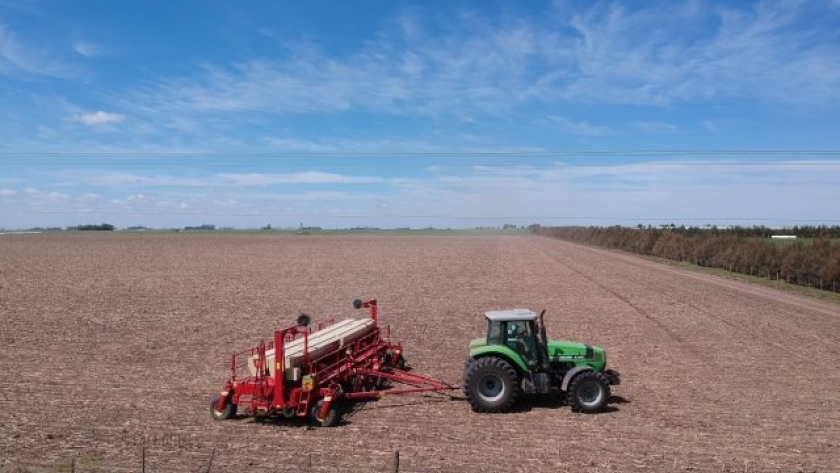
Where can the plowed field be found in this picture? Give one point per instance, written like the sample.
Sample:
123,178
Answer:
111,342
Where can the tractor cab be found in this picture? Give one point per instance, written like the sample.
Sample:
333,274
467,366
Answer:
518,330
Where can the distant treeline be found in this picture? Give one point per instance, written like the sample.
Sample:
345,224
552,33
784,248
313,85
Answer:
814,262
106,227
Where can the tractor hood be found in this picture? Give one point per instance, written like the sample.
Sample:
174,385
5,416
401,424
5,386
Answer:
561,350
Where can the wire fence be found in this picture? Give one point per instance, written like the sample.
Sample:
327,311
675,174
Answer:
202,460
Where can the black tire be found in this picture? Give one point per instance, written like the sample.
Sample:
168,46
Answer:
464,389
332,418
491,385
589,392
226,413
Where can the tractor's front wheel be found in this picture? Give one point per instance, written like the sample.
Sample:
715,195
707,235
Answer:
491,385
589,392
227,412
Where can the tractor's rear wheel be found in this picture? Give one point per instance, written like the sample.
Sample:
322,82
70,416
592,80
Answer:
589,392
491,385
331,419
227,412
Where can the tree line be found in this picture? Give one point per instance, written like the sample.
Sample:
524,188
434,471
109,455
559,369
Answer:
814,262
104,227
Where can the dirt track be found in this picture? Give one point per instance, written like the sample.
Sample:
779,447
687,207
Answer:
112,341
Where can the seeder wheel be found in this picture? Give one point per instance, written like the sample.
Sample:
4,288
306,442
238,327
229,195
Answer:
227,412
332,418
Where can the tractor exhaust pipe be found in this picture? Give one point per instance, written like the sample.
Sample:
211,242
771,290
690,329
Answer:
544,342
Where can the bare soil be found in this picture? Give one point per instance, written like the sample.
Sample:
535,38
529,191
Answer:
113,342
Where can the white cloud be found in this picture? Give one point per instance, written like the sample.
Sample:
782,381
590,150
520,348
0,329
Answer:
123,179
612,193
89,197
577,127
662,55
18,57
86,49
471,65
705,191
99,118
120,179
7,192
656,127
310,177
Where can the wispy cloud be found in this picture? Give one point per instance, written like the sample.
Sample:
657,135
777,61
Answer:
99,118
656,127
703,191
472,64
311,177
87,49
577,127
18,57
125,179
247,180
663,55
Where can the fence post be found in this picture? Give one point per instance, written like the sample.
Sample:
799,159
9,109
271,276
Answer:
210,463
73,465
309,461
143,459
396,465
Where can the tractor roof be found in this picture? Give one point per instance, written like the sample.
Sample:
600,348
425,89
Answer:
511,314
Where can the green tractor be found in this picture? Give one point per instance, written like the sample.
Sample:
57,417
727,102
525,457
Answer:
516,357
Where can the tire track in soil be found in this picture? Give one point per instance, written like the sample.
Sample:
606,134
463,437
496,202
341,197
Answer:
677,349
638,310
780,343
754,345
743,361
822,308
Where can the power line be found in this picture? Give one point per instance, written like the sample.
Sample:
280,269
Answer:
442,166
430,216
430,154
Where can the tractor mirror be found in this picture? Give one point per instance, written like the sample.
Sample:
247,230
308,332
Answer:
357,304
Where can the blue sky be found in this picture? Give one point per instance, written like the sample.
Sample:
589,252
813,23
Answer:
419,114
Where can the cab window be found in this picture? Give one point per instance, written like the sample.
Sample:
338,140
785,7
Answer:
517,331
494,333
